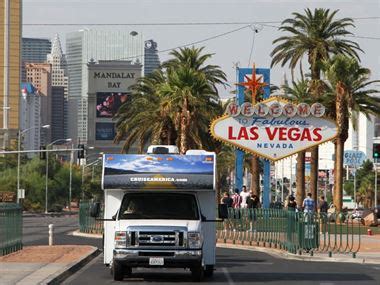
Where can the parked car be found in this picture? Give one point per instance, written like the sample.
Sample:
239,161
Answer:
358,213
376,211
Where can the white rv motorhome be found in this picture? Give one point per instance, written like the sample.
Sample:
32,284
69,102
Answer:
159,211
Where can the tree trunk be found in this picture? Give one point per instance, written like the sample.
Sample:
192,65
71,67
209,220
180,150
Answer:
300,178
255,178
183,127
314,159
314,169
338,183
342,122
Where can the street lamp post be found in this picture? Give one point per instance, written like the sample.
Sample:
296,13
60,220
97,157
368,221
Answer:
375,185
19,154
47,171
71,175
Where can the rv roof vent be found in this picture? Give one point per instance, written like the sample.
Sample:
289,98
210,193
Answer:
198,152
162,149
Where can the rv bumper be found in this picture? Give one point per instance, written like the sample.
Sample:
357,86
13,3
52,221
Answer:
172,258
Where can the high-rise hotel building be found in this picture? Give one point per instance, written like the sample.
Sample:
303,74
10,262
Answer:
59,83
93,45
10,50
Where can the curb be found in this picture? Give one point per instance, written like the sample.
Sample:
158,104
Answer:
70,269
290,256
77,233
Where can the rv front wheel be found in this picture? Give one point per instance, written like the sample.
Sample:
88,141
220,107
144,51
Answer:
117,271
197,273
209,271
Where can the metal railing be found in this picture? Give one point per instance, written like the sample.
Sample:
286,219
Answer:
295,232
88,224
10,228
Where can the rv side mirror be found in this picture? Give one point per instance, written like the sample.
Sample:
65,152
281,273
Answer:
222,211
95,210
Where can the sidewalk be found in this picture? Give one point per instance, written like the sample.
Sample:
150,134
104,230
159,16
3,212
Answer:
369,251
43,264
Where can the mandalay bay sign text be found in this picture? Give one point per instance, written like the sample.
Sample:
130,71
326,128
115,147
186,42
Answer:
274,128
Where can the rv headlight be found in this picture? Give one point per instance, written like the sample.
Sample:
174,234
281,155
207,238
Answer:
194,239
121,239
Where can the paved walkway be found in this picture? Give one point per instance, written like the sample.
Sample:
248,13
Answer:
42,264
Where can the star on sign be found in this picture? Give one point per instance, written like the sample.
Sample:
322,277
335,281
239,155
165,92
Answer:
253,84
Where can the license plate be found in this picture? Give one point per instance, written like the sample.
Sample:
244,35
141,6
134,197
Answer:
156,261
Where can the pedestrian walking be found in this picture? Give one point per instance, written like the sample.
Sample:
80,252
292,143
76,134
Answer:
236,198
253,203
292,204
244,196
308,204
323,206
226,199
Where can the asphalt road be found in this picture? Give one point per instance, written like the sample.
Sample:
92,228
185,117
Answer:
35,230
241,267
233,266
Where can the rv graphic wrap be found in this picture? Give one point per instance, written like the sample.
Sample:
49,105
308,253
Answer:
158,171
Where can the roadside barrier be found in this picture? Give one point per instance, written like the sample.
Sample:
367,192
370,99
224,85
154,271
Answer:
296,232
88,224
10,228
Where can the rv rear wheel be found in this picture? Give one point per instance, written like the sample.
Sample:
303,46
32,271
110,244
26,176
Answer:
117,271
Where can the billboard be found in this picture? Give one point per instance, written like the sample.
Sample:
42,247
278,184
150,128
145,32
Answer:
104,131
274,128
108,103
130,171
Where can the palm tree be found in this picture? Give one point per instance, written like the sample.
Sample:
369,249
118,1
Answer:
191,93
318,35
173,105
192,104
349,84
194,59
144,117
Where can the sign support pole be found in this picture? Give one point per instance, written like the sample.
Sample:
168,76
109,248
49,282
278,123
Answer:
241,72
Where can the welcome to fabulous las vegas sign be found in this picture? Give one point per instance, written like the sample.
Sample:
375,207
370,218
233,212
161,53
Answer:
274,128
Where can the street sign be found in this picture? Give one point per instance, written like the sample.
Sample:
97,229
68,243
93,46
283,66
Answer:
21,193
353,158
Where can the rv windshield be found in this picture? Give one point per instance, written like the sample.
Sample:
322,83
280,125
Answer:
172,206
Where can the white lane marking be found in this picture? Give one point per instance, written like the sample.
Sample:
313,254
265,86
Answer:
376,267
228,276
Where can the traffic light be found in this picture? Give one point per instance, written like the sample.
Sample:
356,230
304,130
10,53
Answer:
376,150
43,153
81,151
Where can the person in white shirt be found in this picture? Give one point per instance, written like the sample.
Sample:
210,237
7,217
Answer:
244,195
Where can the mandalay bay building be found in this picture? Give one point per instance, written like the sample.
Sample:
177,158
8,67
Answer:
93,45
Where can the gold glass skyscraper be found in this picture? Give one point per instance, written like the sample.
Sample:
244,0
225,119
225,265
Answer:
10,60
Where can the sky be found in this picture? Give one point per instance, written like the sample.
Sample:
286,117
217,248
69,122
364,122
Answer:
232,44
